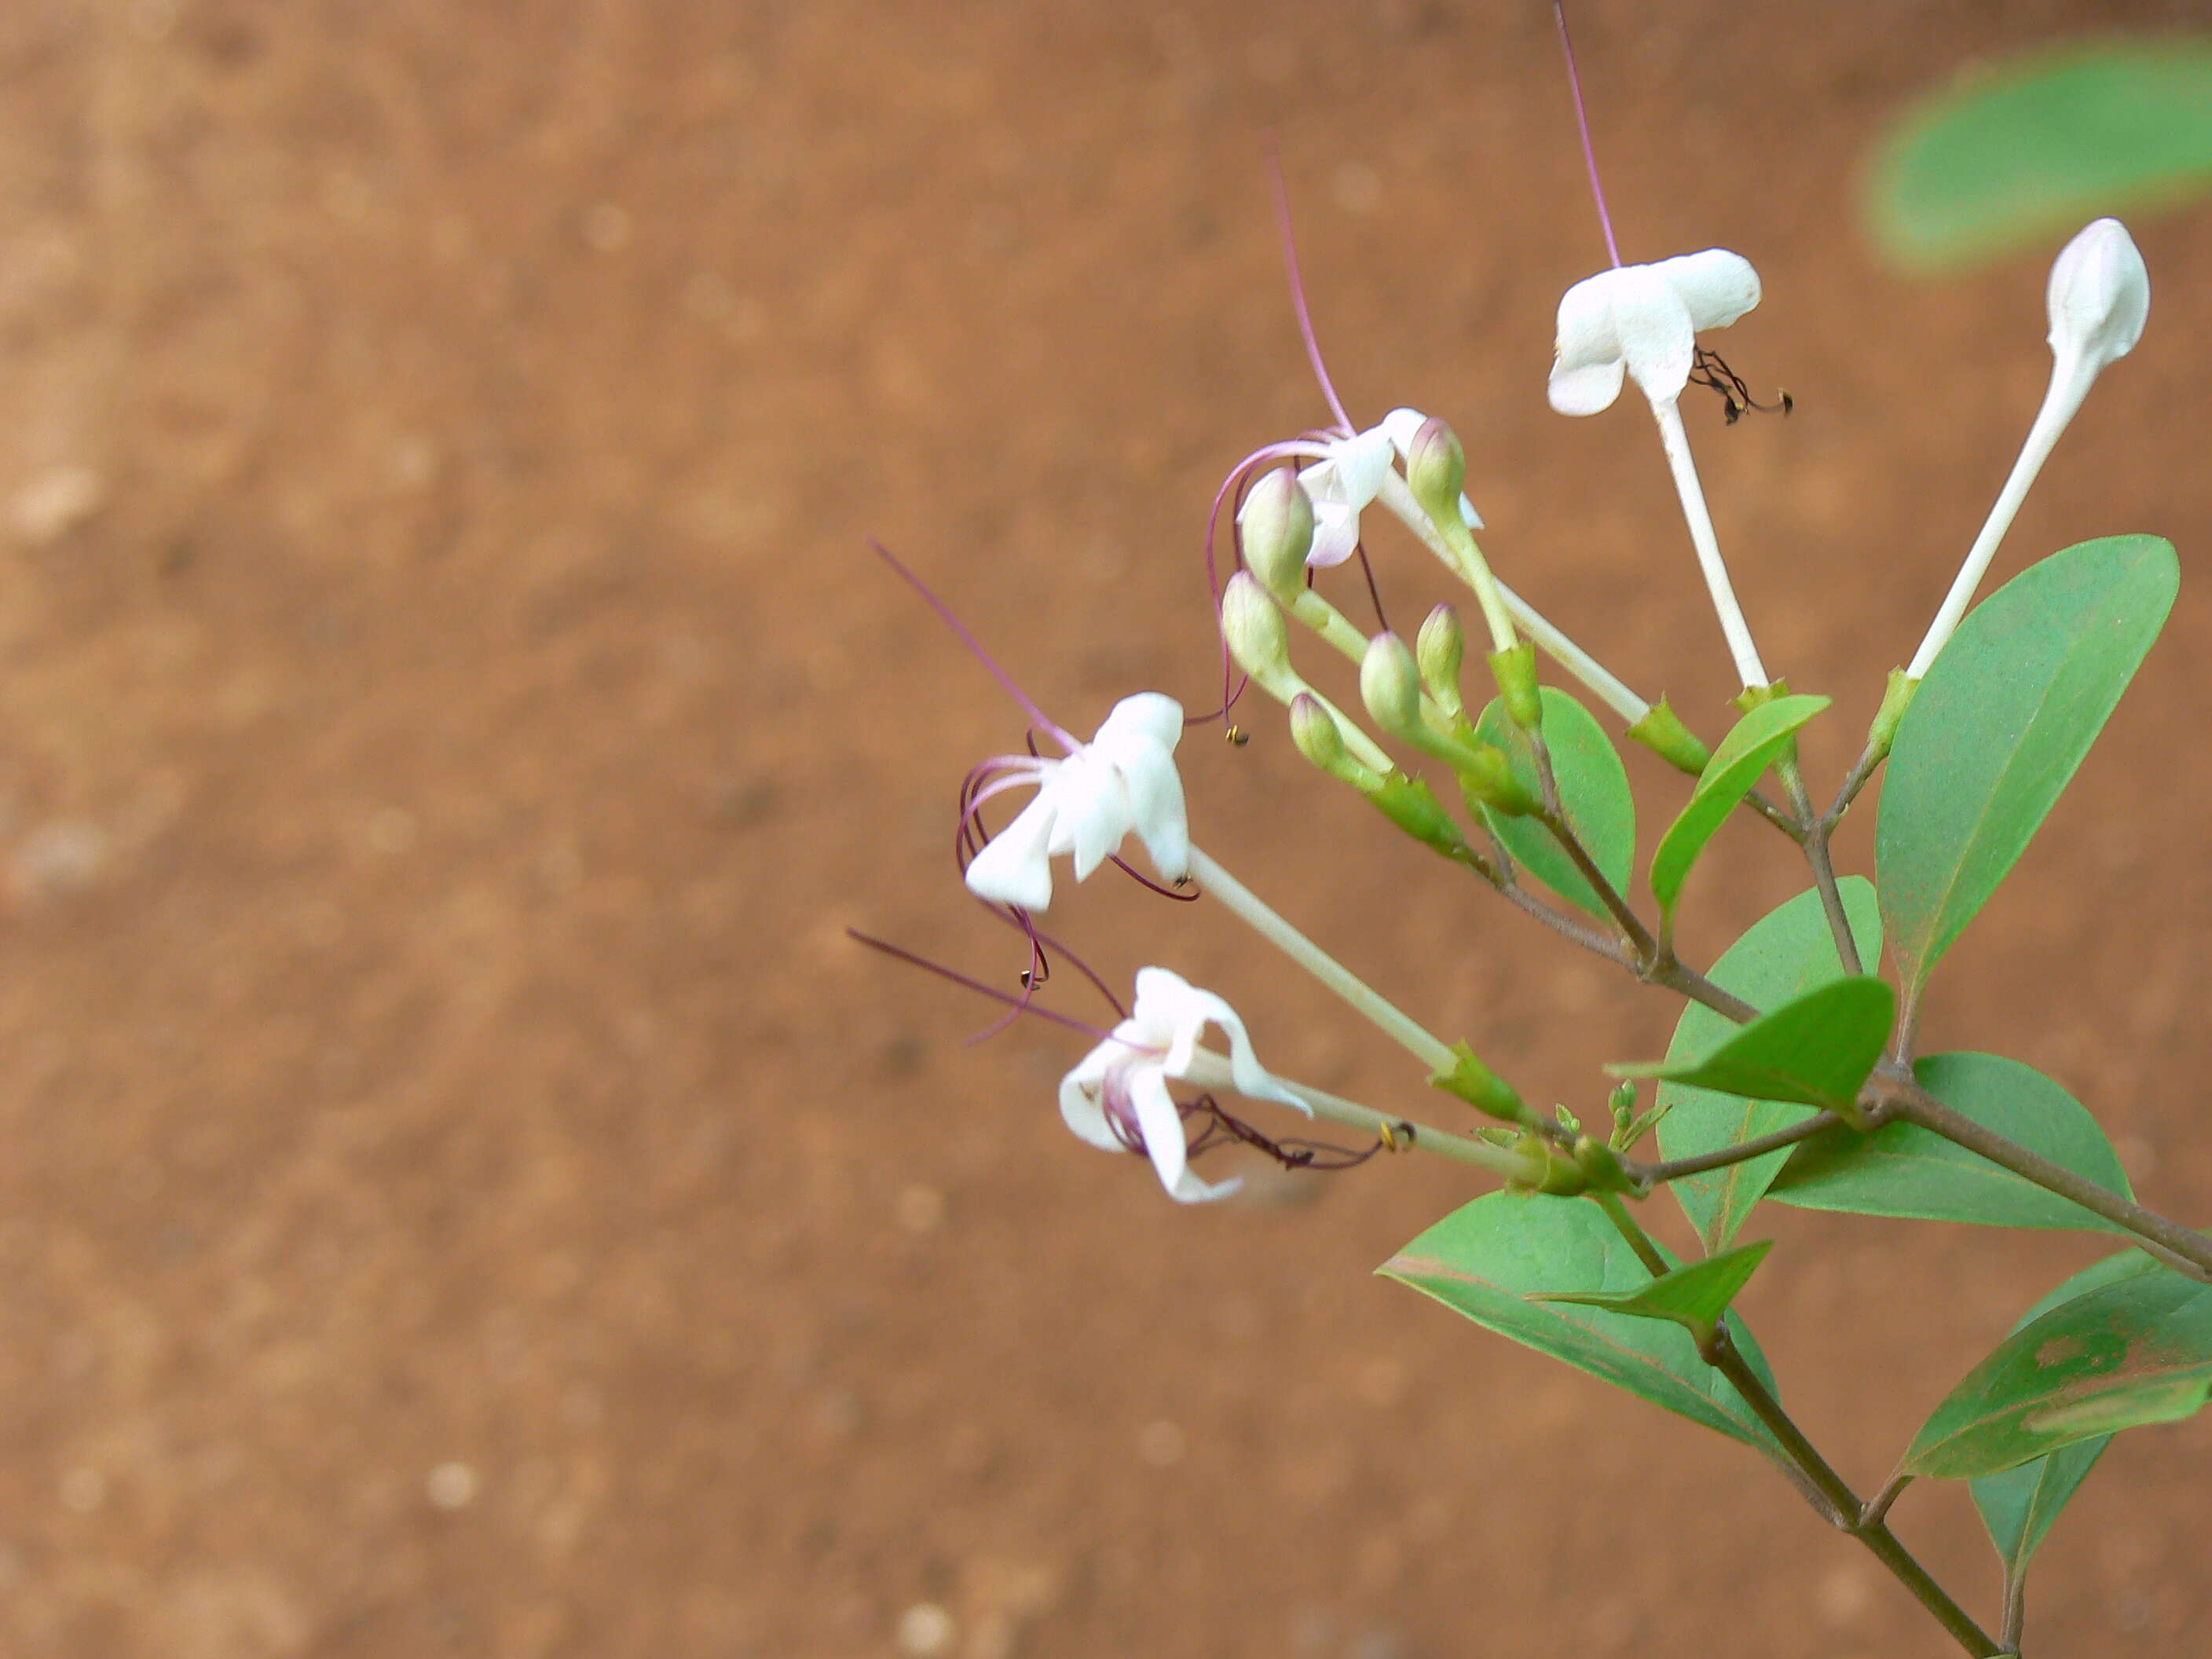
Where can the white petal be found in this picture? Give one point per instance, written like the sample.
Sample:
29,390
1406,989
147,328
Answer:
1163,1141
1657,340
1399,426
1094,811
1361,465
1336,535
1156,803
1586,364
1016,866
1151,714
1715,287
1466,511
1586,389
1082,1090
1166,1000
2099,295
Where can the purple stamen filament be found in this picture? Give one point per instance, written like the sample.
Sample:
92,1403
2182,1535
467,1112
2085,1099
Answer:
1582,120
961,632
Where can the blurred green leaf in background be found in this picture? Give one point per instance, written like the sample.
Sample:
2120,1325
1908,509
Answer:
2043,144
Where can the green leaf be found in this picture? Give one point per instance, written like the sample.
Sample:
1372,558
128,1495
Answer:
2119,1356
1998,727
2040,146
1816,1051
1902,1169
2019,1505
1754,744
1593,790
1693,1296
1785,954
1492,1260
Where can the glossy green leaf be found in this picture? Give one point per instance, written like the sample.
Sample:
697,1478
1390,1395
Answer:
1998,727
1754,745
1816,1050
2042,145
1492,1259
1693,1296
2019,1505
1593,791
1901,1169
1785,954
2120,1356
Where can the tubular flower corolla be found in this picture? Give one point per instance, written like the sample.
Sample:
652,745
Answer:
1117,1096
1124,780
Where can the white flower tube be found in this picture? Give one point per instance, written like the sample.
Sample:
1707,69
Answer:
2099,299
1641,323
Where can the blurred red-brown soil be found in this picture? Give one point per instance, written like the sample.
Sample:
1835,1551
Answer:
464,1194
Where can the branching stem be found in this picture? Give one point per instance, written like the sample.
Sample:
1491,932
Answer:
1829,1492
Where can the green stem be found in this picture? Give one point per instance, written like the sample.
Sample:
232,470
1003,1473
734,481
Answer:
1429,1050
1829,1493
1824,867
1908,1100
1743,1151
1212,1071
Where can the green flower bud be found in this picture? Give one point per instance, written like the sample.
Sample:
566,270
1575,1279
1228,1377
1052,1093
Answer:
1390,685
1258,637
1623,1103
1275,527
1438,649
1320,740
1436,470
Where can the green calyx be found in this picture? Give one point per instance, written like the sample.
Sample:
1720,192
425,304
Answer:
1662,731
1480,1087
1894,701
1516,672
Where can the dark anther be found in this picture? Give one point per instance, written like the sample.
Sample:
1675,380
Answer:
1708,369
1404,1132
1237,735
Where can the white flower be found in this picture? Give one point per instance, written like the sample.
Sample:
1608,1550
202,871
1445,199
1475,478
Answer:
1346,483
1117,1097
1642,321
2100,296
1123,779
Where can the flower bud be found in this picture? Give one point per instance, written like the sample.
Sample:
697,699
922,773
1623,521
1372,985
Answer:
1436,470
1275,526
1390,685
2100,296
1437,650
1320,740
1258,637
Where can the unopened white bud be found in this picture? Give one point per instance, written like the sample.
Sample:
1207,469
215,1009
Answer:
1436,472
1257,636
1275,527
1390,685
1320,740
1439,649
2100,296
